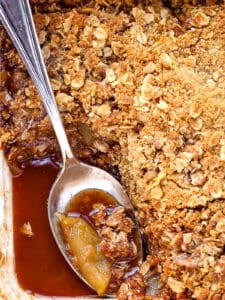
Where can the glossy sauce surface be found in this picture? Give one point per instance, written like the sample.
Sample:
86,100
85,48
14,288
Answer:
83,202
39,265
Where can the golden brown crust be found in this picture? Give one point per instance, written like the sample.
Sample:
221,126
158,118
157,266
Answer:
149,85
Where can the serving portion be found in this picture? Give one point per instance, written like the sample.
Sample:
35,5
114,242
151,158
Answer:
102,239
141,88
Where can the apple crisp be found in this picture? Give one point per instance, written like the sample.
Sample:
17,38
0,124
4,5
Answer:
140,88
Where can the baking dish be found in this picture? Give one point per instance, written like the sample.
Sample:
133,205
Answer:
155,115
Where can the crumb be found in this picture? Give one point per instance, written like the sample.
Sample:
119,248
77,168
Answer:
26,229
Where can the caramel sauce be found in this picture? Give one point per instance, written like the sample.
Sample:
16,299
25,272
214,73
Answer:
83,202
39,265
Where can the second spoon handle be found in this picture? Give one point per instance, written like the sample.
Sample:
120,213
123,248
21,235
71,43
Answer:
17,19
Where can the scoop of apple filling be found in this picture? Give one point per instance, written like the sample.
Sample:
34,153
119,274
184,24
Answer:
103,247
83,245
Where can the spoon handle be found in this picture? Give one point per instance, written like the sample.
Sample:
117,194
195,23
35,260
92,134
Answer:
17,19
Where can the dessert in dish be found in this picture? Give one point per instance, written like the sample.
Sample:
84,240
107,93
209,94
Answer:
101,238
140,87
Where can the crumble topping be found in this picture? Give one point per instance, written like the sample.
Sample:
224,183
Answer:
115,230
119,245
140,88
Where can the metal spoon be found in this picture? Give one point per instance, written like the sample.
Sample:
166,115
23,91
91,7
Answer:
74,176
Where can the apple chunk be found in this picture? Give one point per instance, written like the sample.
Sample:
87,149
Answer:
83,245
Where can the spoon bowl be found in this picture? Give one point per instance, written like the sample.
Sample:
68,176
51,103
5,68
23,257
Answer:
74,176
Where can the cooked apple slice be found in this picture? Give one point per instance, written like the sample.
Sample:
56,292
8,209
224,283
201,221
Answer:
83,245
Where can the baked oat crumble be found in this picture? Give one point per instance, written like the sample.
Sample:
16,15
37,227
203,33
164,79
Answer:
140,87
116,229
